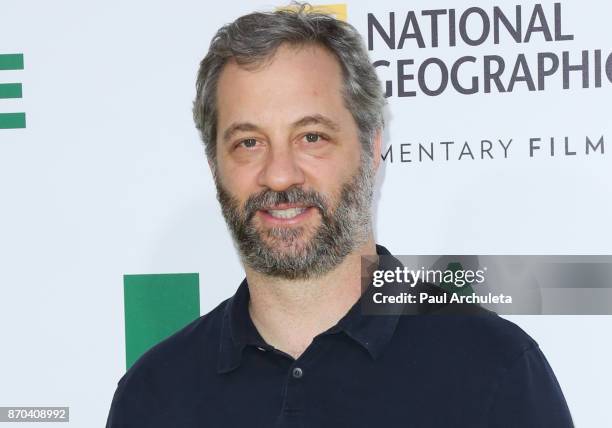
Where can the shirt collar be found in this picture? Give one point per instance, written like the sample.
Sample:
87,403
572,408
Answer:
373,332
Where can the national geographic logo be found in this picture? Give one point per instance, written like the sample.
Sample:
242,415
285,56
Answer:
338,11
411,31
11,90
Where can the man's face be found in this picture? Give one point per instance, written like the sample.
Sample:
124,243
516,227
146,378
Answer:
293,185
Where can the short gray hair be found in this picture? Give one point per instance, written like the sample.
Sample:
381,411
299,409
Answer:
253,38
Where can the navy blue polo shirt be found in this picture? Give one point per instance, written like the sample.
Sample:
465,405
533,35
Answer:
366,371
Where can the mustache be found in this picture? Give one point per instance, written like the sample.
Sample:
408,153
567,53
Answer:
294,195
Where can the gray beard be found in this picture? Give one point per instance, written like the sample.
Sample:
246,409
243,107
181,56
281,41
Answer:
341,230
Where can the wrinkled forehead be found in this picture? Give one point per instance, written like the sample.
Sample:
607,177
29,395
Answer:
295,81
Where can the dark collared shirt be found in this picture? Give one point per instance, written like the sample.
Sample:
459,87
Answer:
366,371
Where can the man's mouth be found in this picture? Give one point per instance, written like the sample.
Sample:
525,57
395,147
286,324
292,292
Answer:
285,212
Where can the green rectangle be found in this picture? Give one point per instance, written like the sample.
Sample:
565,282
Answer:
11,62
10,90
12,120
156,306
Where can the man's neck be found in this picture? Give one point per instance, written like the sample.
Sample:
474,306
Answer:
288,314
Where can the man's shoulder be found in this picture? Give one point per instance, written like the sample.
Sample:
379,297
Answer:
478,335
165,375
190,346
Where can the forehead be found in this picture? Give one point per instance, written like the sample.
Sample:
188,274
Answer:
294,82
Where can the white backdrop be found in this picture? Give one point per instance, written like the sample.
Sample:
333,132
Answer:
109,178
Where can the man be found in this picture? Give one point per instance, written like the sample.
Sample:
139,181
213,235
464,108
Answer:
291,113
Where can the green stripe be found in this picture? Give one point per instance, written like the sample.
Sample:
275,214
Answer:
156,306
12,120
10,90
11,62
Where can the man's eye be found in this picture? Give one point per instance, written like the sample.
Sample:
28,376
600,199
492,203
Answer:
248,142
312,138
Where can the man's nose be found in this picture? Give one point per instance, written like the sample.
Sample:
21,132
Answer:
281,170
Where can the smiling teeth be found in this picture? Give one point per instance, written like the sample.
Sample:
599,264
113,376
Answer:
288,213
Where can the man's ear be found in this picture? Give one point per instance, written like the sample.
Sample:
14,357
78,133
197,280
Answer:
377,148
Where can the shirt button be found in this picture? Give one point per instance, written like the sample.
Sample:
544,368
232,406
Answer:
297,373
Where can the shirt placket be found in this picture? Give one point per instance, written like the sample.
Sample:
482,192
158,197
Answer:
294,400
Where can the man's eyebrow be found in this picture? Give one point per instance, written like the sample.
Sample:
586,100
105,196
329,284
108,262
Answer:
316,119
236,127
